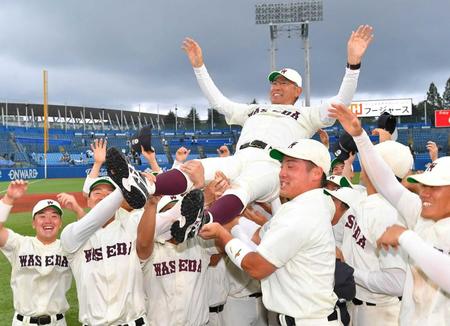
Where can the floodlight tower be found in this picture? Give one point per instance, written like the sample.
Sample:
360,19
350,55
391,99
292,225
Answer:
290,17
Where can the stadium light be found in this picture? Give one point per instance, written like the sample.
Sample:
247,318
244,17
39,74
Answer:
290,17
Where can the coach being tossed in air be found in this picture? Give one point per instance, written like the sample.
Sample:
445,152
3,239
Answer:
295,258
40,275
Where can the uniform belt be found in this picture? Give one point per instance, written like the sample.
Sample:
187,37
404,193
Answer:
256,295
137,322
40,320
290,321
256,144
358,302
216,309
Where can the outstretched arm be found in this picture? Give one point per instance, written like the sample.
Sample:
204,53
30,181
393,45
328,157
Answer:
234,112
146,229
98,147
381,176
16,189
357,46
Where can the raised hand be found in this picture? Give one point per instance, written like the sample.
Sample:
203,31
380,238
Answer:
195,171
433,150
69,201
98,147
383,134
193,51
324,138
182,154
358,43
346,117
390,237
16,189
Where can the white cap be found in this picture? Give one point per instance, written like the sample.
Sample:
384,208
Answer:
346,195
100,180
305,149
165,200
288,73
43,204
437,174
341,181
397,156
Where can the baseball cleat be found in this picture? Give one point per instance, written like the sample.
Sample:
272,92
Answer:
134,186
192,217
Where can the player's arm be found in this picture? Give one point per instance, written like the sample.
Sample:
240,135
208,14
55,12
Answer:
434,263
98,147
234,112
407,203
181,156
239,252
356,48
150,156
388,281
146,229
16,189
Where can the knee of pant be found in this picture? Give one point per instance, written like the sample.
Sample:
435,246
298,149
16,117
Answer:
241,192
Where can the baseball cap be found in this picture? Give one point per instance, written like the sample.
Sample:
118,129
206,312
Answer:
397,156
43,204
101,181
348,196
437,173
166,200
341,181
305,149
142,138
335,162
387,122
344,147
288,73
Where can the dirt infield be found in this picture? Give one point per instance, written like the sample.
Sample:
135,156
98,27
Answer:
26,203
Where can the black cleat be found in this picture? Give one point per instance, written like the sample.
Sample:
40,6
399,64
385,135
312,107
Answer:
193,214
135,187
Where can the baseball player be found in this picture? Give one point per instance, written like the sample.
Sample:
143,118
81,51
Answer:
295,264
218,287
253,172
424,301
101,251
175,277
40,276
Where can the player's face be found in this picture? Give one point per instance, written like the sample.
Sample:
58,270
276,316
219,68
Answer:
283,91
98,193
47,224
338,169
435,202
296,177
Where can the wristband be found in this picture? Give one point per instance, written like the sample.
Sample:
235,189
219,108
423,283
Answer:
354,67
237,250
4,211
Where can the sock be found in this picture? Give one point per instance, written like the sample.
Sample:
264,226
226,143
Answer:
172,182
224,209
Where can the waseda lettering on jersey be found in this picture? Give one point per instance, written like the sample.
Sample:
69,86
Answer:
183,265
351,224
35,260
118,249
293,114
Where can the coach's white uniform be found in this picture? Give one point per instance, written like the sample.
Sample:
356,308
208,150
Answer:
423,302
40,277
175,283
244,303
361,231
252,169
107,269
299,242
218,287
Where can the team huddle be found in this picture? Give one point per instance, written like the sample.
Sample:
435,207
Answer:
275,234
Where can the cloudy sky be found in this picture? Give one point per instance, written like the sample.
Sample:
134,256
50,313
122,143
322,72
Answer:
117,53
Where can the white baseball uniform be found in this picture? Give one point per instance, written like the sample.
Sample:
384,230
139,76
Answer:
244,303
423,301
251,169
175,283
380,303
105,264
299,242
40,278
218,287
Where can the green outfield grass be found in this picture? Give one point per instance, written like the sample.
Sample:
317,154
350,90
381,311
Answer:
48,186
